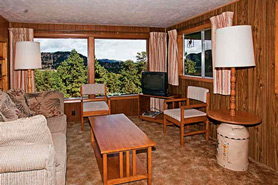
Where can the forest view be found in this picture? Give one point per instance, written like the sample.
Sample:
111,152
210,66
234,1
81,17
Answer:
120,77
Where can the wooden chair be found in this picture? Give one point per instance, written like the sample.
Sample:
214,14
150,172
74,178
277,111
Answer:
93,106
188,114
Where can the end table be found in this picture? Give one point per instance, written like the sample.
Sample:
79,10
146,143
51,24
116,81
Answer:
233,137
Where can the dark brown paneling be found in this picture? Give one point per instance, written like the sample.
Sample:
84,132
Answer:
72,111
4,25
127,105
97,31
255,88
4,79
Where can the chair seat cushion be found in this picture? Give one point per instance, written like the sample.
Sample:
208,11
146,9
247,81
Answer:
95,106
188,113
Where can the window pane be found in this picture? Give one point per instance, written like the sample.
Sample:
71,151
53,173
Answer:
119,64
192,54
208,54
64,65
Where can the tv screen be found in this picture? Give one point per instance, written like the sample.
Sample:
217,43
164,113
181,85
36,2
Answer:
154,83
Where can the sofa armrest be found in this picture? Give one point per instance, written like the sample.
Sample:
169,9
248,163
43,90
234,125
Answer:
27,158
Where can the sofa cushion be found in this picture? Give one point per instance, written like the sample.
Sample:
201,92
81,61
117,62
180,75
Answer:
18,97
47,103
25,131
60,146
8,109
57,124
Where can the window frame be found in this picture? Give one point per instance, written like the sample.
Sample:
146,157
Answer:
91,45
124,38
196,29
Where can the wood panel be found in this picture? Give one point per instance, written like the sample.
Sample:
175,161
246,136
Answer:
255,87
4,82
85,31
127,105
73,110
4,25
276,48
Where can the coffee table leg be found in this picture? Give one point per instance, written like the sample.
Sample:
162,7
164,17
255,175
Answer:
104,169
149,165
92,136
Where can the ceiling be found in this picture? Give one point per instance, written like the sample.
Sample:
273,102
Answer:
149,13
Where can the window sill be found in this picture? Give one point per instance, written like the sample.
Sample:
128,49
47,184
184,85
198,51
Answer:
195,78
118,97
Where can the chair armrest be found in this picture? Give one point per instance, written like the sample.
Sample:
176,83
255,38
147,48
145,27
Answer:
201,105
92,100
175,100
27,158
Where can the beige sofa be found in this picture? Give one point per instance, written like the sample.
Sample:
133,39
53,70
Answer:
26,158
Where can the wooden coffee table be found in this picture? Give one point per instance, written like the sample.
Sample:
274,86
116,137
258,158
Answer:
115,140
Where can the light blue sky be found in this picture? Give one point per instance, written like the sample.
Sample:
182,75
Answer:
117,49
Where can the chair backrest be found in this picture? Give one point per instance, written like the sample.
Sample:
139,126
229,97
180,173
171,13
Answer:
91,89
197,93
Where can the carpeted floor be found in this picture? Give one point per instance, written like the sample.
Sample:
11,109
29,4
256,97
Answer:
192,164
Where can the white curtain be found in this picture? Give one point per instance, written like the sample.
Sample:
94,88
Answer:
157,60
173,75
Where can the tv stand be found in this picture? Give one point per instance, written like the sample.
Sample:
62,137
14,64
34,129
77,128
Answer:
144,105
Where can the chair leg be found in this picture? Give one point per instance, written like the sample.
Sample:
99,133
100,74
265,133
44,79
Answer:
164,124
182,134
207,129
82,123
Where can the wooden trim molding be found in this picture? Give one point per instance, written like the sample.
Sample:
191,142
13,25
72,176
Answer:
91,60
196,29
195,78
86,35
276,47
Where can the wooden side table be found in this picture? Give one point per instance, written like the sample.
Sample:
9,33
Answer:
241,118
233,137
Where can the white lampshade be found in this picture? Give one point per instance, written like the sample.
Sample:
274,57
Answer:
28,55
234,47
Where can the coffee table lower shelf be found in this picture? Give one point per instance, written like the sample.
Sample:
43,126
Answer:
117,172
157,119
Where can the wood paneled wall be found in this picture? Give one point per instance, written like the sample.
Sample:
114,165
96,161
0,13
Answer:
97,31
255,86
4,25
127,105
4,36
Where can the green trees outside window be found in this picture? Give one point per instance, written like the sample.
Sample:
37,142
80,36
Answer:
72,73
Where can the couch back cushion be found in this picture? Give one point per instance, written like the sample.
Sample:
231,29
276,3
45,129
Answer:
48,103
18,97
25,131
8,110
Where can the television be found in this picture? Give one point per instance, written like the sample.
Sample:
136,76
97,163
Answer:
155,83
